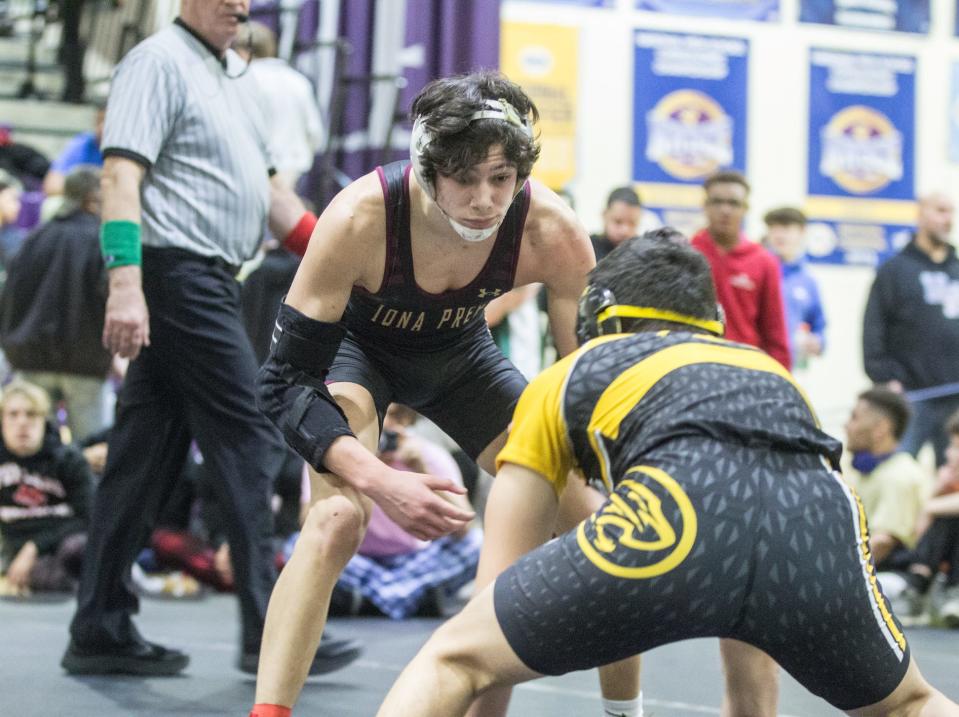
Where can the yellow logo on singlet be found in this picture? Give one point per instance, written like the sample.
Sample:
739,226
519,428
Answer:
634,520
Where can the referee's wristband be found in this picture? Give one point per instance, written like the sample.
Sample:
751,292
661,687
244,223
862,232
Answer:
120,243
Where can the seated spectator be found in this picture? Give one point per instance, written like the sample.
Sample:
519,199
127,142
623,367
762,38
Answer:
45,494
52,306
938,546
83,148
805,320
891,485
394,573
11,234
623,218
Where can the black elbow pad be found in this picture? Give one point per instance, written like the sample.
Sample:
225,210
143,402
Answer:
291,389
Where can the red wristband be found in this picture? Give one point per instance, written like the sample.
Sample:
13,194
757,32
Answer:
266,710
298,239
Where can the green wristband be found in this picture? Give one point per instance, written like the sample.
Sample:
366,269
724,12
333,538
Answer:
120,243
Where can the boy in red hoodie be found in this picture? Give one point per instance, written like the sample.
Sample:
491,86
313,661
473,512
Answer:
746,275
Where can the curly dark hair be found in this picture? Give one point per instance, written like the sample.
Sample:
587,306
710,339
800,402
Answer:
661,270
445,106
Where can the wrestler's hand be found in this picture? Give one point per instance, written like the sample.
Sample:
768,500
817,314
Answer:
126,326
411,501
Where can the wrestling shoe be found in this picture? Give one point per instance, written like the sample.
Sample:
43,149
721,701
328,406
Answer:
334,653
134,658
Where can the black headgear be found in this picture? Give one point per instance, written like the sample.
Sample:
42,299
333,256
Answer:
599,315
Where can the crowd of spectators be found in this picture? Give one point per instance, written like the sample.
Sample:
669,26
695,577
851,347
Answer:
61,383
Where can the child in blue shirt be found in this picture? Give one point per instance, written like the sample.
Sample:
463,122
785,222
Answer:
805,319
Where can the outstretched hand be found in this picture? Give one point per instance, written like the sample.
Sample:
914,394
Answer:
414,501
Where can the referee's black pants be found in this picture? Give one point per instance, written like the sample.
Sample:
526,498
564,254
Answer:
195,380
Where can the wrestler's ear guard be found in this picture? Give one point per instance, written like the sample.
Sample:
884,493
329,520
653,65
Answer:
593,301
599,314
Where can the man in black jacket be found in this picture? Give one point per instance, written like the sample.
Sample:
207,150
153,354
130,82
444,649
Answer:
911,327
51,309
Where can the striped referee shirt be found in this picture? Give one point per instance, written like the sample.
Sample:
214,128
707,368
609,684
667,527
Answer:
195,122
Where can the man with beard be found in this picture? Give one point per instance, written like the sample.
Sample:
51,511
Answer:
910,334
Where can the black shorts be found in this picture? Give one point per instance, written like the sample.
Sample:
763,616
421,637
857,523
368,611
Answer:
469,389
714,540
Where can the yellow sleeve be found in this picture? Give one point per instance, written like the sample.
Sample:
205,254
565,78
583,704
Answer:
537,437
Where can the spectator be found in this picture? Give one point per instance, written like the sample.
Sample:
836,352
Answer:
623,218
515,322
910,335
73,49
938,530
11,235
292,117
187,169
83,148
51,309
44,496
891,484
395,572
747,277
21,160
263,291
805,319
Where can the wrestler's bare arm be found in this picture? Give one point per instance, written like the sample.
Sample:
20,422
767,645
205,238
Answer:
556,252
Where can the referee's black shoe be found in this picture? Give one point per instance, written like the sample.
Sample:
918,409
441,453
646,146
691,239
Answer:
138,657
333,654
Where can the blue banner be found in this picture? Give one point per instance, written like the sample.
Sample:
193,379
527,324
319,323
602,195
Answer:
733,9
689,107
861,125
900,15
854,242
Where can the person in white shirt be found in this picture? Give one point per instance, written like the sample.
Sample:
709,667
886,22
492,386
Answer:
292,116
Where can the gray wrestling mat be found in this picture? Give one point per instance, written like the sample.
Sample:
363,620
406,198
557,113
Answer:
681,679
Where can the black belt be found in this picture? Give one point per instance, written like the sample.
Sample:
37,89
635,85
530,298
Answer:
177,254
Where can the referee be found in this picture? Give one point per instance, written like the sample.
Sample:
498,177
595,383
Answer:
186,191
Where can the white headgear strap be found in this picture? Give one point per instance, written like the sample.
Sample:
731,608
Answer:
421,137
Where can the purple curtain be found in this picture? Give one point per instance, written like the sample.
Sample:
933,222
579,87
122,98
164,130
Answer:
455,37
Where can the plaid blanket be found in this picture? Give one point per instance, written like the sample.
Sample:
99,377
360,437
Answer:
397,585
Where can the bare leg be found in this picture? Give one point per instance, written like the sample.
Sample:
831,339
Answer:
914,697
331,534
618,681
465,656
752,681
